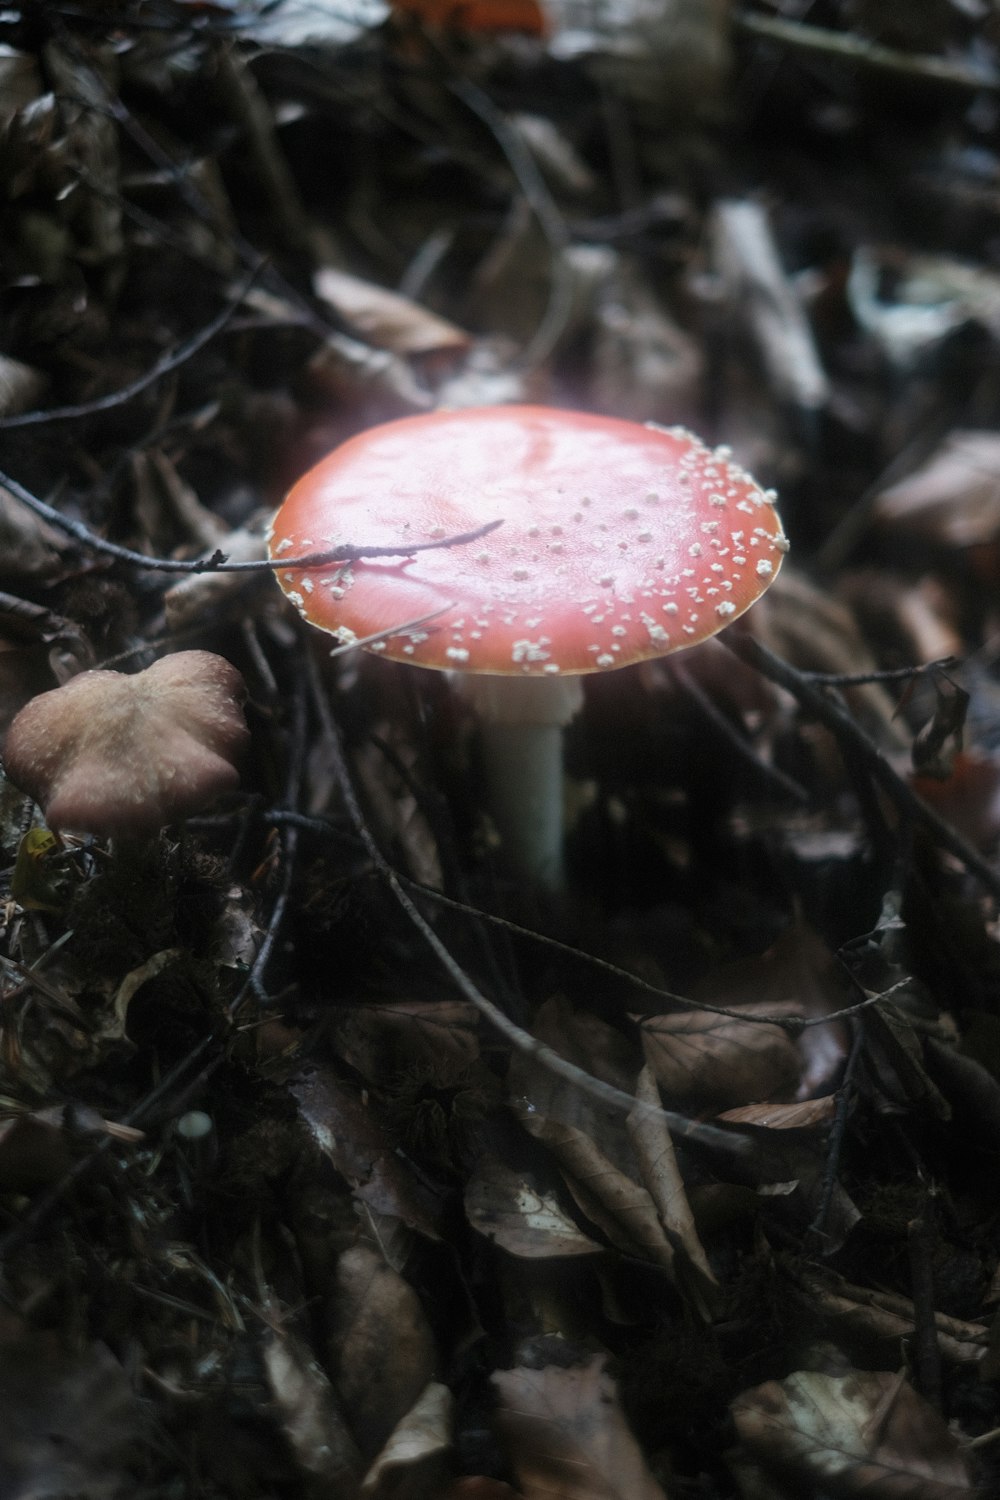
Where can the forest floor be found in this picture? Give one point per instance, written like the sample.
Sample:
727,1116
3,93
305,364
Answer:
293,1200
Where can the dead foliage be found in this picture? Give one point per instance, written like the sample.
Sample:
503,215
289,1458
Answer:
334,1161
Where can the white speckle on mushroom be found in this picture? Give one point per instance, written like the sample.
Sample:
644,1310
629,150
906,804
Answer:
764,568
618,630
709,526
457,653
695,549
606,580
727,607
345,635
438,534
745,507
670,608
551,667
604,660
282,546
658,634
482,557
520,574
739,562
377,646
781,542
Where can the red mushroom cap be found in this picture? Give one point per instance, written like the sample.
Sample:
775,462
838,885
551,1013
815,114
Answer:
619,541
121,755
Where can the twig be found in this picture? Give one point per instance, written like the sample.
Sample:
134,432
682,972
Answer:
547,214
171,361
854,741
856,49
217,563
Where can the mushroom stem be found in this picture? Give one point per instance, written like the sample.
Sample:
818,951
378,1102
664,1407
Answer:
521,720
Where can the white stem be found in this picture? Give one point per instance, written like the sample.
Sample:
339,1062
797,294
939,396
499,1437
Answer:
521,724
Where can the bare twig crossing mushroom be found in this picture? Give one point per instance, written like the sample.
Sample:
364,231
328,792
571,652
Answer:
121,756
620,542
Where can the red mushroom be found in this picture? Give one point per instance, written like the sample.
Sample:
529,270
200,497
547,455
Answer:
619,542
121,756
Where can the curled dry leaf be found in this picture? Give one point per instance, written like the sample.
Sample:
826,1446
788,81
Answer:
567,1435
385,318
867,1433
381,1346
657,1160
310,1416
607,1195
408,1464
121,755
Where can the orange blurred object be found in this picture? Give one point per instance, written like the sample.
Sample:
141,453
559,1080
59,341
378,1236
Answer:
478,15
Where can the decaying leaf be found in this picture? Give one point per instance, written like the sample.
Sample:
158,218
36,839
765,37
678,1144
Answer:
310,1416
505,1206
70,1419
350,1135
567,1436
385,318
381,1346
409,1464
658,1167
867,1433
703,1060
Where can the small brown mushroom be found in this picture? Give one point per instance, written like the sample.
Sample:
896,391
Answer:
121,756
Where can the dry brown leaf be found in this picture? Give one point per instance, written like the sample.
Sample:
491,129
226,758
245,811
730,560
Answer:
658,1167
380,1346
867,1433
349,1133
968,799
436,1039
567,1436
608,1196
882,1320
798,968
68,1419
507,1208
310,1418
408,1465
705,1061
954,497
806,1115
385,318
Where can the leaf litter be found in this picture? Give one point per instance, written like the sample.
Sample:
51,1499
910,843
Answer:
332,1160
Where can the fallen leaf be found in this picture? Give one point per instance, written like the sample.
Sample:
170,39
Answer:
567,1436
406,1467
867,1433
380,1346
509,1209
385,318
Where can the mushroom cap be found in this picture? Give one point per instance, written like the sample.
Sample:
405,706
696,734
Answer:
619,541
121,755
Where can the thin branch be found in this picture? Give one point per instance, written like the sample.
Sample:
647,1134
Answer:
857,49
853,739
164,366
217,563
